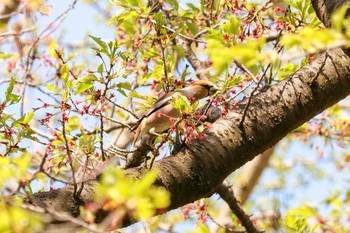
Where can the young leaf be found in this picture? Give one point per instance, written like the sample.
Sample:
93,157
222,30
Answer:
12,98
65,74
4,56
83,83
174,3
101,43
27,118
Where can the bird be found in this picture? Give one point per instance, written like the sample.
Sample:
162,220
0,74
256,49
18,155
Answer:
157,119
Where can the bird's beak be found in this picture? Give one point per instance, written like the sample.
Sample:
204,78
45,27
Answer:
213,90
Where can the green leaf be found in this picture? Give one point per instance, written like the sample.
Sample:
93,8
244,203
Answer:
12,98
65,74
138,197
25,221
29,187
248,53
135,94
73,123
312,40
124,17
100,68
180,50
202,228
221,56
22,162
160,18
231,82
65,95
125,55
84,83
124,85
87,143
10,87
4,56
160,198
101,43
153,52
158,72
82,87
286,70
297,218
27,118
232,26
174,3
181,103
193,27
51,87
295,222
133,3
193,7
216,35
338,17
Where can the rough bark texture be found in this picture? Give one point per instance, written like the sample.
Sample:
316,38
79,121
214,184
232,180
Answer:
324,9
200,167
242,190
197,170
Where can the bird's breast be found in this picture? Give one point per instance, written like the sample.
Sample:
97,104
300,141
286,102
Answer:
160,120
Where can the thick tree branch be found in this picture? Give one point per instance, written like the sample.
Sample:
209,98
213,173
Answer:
227,194
198,169
325,8
252,173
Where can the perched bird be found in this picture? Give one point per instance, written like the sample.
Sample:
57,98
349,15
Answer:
156,119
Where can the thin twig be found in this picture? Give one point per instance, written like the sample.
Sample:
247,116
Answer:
69,155
238,93
42,170
338,44
120,153
59,55
205,31
63,216
226,193
191,57
117,122
121,107
251,96
15,33
245,70
32,51
182,35
228,229
101,135
164,66
113,148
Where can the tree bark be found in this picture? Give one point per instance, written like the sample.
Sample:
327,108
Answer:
324,9
7,10
200,167
197,169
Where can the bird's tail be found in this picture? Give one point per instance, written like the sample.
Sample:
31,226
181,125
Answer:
137,123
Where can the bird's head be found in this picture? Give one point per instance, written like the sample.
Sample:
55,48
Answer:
207,86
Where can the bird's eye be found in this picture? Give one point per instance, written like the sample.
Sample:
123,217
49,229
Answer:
207,87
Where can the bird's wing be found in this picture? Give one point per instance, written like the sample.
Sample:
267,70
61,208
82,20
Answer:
160,103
